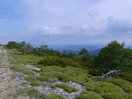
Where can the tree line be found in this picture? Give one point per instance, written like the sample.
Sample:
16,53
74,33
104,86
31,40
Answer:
112,56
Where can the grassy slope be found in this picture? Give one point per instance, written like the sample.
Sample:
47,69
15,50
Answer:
114,89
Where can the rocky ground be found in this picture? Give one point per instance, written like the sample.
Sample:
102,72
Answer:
48,88
53,89
9,83
13,84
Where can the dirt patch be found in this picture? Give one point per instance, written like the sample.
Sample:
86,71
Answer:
9,85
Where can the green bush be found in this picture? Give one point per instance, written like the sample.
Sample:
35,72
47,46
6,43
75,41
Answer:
104,87
113,96
130,96
58,61
32,92
127,75
43,78
30,78
75,74
50,72
13,45
54,96
22,46
65,74
89,95
111,56
45,52
35,83
67,88
125,85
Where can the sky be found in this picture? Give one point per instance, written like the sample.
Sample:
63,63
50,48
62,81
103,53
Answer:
66,22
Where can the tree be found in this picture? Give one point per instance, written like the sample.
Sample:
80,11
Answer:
111,56
84,54
22,46
25,47
12,45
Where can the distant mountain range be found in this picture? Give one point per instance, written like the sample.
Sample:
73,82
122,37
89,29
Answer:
74,47
93,50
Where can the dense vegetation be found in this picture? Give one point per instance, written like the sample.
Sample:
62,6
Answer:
77,67
114,56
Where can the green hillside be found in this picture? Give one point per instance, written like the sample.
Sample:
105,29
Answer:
50,74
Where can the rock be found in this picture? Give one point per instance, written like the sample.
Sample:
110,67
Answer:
32,67
37,69
52,89
113,73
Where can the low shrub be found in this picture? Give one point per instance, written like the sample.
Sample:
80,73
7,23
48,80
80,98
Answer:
67,88
43,78
125,85
58,61
113,96
89,95
35,83
104,87
32,92
65,74
130,96
127,75
26,59
50,72
22,69
74,74
30,78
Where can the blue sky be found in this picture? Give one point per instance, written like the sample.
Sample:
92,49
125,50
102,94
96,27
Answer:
66,21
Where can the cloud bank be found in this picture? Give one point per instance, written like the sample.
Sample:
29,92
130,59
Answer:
66,21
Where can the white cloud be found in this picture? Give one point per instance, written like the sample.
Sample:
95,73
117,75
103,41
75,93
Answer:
51,30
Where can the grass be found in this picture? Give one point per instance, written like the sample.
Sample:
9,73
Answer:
67,88
89,95
22,69
32,92
54,96
26,59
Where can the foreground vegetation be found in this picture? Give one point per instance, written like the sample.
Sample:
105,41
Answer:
77,67
67,88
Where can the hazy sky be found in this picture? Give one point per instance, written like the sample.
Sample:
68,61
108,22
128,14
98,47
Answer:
66,21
